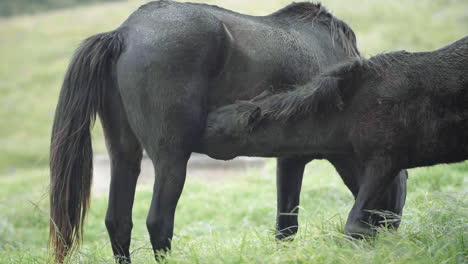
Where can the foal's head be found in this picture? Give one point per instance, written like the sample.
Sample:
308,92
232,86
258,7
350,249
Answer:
228,129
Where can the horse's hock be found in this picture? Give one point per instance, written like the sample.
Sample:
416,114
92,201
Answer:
199,166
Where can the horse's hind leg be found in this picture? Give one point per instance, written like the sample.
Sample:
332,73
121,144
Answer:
288,184
170,167
168,117
164,77
170,149
125,155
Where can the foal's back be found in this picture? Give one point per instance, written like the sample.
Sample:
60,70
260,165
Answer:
416,105
443,104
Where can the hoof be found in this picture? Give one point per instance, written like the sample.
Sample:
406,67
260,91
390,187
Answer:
284,238
360,230
286,234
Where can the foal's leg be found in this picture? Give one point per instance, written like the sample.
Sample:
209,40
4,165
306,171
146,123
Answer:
125,155
393,199
376,178
288,183
349,171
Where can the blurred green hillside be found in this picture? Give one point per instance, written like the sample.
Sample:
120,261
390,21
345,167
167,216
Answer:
35,51
229,221
19,7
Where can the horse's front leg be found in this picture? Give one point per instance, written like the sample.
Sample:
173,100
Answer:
378,174
288,183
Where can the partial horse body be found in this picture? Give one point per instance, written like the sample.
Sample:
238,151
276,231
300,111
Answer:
153,80
391,112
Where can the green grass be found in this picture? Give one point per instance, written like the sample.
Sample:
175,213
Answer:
230,221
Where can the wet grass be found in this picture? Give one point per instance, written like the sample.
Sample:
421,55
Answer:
230,221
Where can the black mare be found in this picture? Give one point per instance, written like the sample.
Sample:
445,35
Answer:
153,80
391,112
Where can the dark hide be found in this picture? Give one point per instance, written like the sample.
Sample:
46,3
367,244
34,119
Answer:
152,82
391,112
71,154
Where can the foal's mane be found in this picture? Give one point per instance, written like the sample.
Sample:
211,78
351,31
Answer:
330,91
317,13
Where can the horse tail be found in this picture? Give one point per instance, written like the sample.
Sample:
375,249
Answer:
90,73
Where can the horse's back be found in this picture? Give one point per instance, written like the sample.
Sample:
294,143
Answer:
276,52
247,54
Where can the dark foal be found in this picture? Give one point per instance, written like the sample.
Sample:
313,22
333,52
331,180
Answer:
391,112
153,80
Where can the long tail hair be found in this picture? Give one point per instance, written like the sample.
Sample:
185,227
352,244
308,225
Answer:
89,75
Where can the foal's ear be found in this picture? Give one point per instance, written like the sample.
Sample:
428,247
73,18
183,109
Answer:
250,115
254,117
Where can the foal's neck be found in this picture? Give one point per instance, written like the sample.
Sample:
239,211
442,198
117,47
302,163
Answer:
308,136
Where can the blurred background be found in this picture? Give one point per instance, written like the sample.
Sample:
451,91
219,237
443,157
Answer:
227,211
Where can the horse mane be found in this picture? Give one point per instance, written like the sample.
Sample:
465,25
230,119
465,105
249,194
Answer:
301,11
330,91
317,13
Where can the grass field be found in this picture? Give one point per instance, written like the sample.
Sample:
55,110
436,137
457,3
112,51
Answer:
230,221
